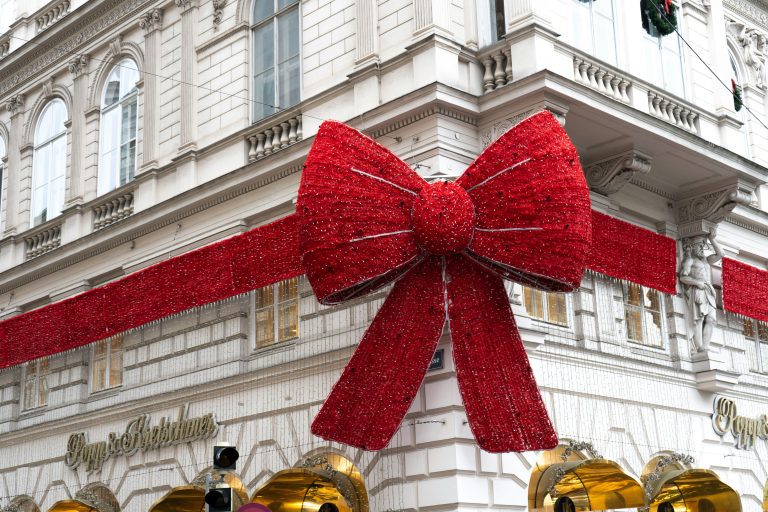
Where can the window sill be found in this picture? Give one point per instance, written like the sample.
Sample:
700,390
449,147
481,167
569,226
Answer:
282,346
33,412
648,351
105,393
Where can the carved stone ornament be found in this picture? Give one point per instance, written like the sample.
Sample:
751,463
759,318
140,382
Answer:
151,20
711,207
752,43
15,104
218,12
79,64
185,4
749,10
116,45
608,176
94,500
48,88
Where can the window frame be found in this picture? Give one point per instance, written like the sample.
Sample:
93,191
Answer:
276,314
658,40
642,309
131,97
545,301
253,26
594,44
109,353
40,374
758,333
38,146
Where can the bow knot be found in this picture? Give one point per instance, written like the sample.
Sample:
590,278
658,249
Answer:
443,218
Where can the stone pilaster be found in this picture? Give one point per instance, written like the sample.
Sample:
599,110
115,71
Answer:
79,69
367,31
151,22
16,107
188,129
431,15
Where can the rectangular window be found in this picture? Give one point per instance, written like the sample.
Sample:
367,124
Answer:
663,59
276,56
549,307
592,28
107,364
35,384
643,315
277,313
758,332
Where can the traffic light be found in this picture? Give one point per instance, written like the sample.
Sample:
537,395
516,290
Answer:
219,500
225,457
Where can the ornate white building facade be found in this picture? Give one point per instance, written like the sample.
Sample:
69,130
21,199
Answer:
133,131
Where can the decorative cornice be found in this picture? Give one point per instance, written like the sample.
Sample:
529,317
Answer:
609,175
748,10
15,104
83,32
418,116
152,20
79,65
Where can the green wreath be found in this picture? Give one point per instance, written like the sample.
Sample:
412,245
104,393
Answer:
654,11
738,101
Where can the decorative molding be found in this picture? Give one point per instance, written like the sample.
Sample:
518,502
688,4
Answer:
502,126
671,111
602,79
659,191
5,44
48,88
608,176
185,4
152,20
497,67
218,12
274,138
748,10
15,104
79,65
413,118
748,226
84,31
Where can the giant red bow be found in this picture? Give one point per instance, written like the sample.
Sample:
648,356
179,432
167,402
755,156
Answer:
520,211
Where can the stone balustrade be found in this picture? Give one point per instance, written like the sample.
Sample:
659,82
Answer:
52,15
672,112
497,67
113,210
42,241
267,140
602,80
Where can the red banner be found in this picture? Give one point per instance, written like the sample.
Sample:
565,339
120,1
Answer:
745,289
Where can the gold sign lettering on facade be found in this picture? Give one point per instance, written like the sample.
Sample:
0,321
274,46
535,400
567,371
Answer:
139,435
745,430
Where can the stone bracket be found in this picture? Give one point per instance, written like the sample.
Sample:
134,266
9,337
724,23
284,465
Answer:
696,215
609,175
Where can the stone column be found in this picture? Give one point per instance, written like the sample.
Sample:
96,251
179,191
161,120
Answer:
16,107
367,32
188,130
79,69
431,15
151,22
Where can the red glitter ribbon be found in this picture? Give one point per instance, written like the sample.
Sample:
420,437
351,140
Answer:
631,253
745,289
520,211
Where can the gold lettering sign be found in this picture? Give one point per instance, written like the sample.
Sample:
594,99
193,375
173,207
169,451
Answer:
745,430
138,435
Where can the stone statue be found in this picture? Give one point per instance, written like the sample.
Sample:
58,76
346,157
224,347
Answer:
753,43
696,276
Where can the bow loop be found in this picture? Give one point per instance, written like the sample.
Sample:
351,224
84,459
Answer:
532,206
355,203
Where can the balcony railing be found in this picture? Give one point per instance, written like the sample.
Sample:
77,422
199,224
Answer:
42,241
113,210
57,11
497,66
672,112
273,136
602,79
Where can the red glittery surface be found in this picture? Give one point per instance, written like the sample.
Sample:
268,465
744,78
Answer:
521,210
631,253
745,289
254,259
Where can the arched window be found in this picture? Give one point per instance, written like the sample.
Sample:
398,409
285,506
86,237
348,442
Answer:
119,119
275,31
49,163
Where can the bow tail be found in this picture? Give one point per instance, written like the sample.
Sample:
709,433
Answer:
503,404
379,383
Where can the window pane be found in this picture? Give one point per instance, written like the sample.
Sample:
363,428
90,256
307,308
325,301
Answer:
289,319
265,297
534,302
652,300
557,310
289,81
116,367
634,294
653,328
634,324
29,393
264,71
109,147
762,331
262,9
265,327
288,35
282,4
42,390
98,375
288,289
749,330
